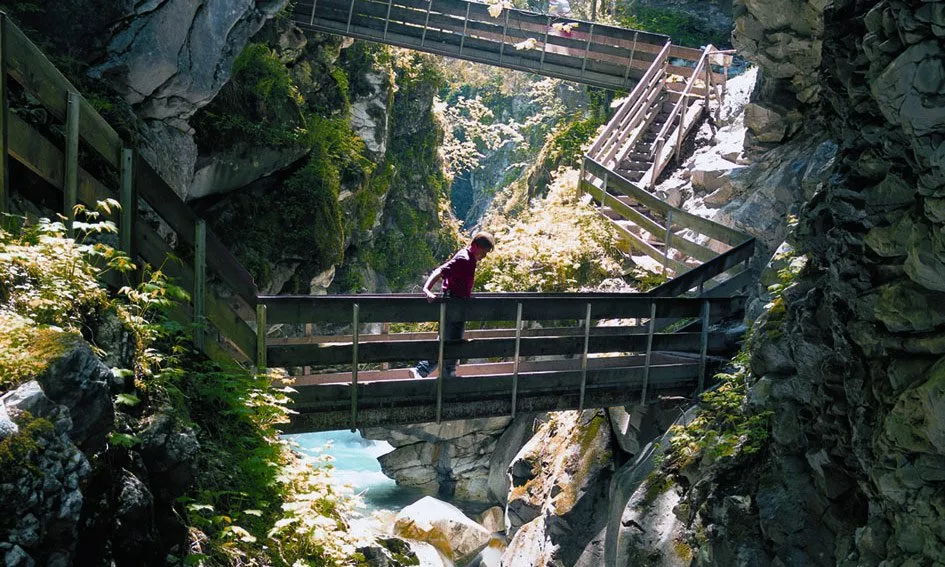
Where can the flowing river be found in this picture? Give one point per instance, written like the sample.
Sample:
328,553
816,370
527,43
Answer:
355,461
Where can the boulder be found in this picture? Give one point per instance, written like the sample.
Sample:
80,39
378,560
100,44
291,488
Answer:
493,519
443,526
77,379
7,426
508,445
169,449
450,460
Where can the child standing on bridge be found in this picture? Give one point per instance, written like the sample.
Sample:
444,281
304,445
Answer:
457,275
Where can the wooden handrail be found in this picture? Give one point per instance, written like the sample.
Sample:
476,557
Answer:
28,66
683,101
633,100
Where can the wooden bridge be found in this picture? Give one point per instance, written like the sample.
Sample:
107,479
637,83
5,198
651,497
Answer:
539,351
574,50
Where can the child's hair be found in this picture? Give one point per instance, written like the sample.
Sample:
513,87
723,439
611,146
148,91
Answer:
483,240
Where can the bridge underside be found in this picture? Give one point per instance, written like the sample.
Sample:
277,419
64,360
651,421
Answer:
585,52
386,398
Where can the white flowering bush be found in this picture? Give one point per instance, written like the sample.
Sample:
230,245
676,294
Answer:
558,244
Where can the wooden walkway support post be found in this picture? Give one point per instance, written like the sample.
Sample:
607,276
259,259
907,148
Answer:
128,203
518,344
649,351
4,126
703,344
587,342
669,233
71,167
261,333
354,366
439,372
200,281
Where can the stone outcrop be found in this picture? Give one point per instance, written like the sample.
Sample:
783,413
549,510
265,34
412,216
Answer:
452,460
444,527
852,366
560,481
167,60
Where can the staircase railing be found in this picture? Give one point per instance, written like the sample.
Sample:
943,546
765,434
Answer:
659,227
120,175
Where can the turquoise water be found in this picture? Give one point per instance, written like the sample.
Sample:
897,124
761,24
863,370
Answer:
356,464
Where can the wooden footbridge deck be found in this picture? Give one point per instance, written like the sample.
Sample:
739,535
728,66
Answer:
533,352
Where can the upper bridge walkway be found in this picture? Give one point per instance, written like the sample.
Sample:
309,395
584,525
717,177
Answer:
584,52
538,352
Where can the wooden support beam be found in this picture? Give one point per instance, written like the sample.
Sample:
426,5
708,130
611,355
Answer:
261,332
518,344
705,344
355,327
440,373
649,353
587,338
129,204
4,124
71,166
200,282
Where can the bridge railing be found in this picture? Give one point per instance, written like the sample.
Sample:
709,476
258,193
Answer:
91,164
594,53
633,328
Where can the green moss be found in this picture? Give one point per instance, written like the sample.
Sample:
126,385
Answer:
26,349
684,29
260,105
17,451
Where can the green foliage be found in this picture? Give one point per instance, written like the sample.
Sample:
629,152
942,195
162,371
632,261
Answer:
683,28
725,429
558,245
261,105
248,480
567,142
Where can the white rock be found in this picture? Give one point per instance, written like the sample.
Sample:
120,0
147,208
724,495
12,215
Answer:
493,519
442,525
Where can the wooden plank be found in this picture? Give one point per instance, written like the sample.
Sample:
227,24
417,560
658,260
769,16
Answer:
406,351
480,388
4,121
44,159
702,225
29,67
294,309
179,216
683,283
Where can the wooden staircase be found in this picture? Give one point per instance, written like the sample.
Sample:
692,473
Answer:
646,133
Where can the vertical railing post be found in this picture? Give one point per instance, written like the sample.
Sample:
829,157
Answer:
518,342
261,332
306,370
312,21
426,23
439,373
505,30
350,14
703,344
669,232
71,167
128,203
5,204
587,342
633,49
587,49
649,351
200,281
544,45
462,40
387,21
658,156
354,366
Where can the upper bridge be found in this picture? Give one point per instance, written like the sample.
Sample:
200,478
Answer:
585,52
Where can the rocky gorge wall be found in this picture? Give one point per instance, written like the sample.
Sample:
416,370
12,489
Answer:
852,367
